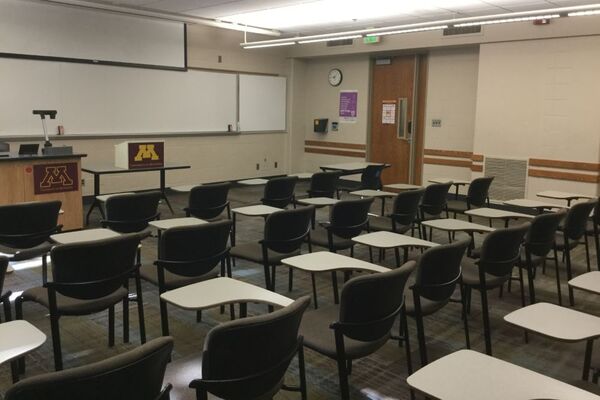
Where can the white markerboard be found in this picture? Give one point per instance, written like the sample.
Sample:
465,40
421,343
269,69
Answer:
51,30
98,99
262,102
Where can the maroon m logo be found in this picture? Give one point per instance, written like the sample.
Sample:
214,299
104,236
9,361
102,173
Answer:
56,176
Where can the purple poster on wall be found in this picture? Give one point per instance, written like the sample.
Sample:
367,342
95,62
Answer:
348,105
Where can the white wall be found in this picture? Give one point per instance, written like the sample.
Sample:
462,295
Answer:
539,99
451,97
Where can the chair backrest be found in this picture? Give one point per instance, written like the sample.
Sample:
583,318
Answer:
208,201
576,219
406,206
3,267
501,249
286,230
323,184
542,233
247,358
131,212
478,191
135,375
279,192
349,218
90,270
439,271
194,250
434,199
369,304
371,177
5,147
27,225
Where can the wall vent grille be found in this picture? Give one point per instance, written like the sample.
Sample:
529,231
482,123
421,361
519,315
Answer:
510,178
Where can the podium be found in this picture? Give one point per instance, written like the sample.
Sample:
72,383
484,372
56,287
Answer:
140,154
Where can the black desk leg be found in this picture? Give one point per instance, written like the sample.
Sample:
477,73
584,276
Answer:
162,190
95,202
589,345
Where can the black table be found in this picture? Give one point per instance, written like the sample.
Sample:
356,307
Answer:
97,171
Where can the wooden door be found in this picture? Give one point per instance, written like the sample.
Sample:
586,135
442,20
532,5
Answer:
393,87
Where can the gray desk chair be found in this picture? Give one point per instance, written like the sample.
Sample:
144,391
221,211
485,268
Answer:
134,375
88,277
434,204
279,192
438,273
247,359
362,323
209,201
348,218
25,230
500,253
188,255
571,233
284,234
477,196
369,179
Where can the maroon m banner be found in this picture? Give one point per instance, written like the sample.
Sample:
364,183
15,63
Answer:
54,178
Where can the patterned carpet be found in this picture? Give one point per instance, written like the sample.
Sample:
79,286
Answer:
85,339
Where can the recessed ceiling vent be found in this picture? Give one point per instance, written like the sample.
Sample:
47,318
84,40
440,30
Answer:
342,42
462,30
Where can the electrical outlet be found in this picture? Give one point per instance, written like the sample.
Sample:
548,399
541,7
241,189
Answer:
220,59
275,164
257,167
436,123
82,181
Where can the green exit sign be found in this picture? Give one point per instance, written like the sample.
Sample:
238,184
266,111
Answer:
371,39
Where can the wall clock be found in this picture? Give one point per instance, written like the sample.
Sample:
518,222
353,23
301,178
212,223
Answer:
335,77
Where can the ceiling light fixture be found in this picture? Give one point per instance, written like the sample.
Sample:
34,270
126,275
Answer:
506,20
327,39
425,29
583,13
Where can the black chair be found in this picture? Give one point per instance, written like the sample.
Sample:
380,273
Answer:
404,214
25,230
323,184
279,192
247,359
88,277
369,179
477,196
362,323
188,255
593,230
285,232
433,204
4,147
209,201
539,241
500,252
128,213
134,375
347,219
438,273
570,235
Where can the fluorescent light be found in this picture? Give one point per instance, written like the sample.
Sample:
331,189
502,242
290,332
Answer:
428,28
506,20
259,45
327,39
583,13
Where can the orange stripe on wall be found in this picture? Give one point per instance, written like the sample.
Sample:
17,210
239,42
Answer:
448,153
445,161
322,143
565,176
335,152
577,165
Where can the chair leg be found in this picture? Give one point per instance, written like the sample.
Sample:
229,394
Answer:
290,279
421,338
334,282
404,333
463,303
302,372
521,286
587,252
267,277
58,364
343,377
126,318
314,289
569,274
14,371
140,305
558,290
7,310
199,316
111,326
19,315
486,322
370,254
273,269
164,318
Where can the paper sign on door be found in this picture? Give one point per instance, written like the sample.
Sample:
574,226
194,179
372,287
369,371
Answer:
388,113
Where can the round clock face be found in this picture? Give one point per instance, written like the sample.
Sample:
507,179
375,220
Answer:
335,77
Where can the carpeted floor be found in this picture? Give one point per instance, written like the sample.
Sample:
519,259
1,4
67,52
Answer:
85,339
